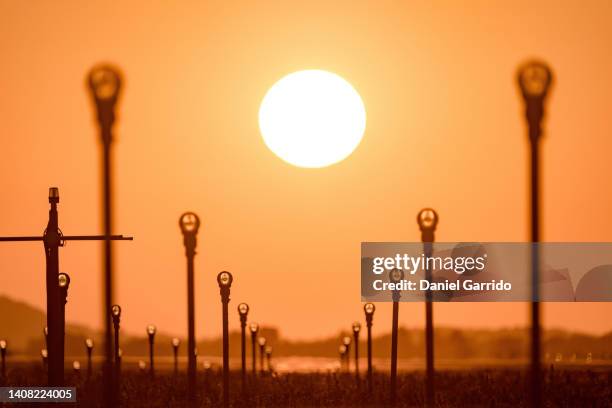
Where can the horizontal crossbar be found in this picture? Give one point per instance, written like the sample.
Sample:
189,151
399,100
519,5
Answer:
71,238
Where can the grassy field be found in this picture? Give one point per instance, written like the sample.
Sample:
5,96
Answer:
479,388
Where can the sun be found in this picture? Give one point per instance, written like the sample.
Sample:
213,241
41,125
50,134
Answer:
312,118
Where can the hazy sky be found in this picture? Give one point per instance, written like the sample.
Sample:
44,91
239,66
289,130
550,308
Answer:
444,129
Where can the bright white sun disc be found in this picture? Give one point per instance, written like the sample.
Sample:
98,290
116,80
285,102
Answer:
312,118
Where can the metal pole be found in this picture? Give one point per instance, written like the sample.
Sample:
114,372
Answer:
370,357
429,333
105,82
427,219
395,276
254,329
189,223
224,279
394,352
151,366
3,354
63,283
243,310
534,80
191,343
52,242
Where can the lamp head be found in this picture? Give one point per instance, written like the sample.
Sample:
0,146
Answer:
63,280
120,353
268,350
44,353
342,349
104,82
396,275
116,311
243,309
176,342
189,223
207,365
261,341
76,366
53,195
427,219
356,327
142,365
2,345
534,79
346,340
254,327
89,343
369,309
46,331
224,279
151,329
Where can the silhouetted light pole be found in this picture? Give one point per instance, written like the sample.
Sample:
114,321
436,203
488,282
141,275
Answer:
346,340
254,328
356,330
395,276
176,342
151,329
262,346
369,309
427,219
89,344
105,83
63,283
243,311
3,354
269,358
53,239
534,80
342,352
116,317
224,279
190,224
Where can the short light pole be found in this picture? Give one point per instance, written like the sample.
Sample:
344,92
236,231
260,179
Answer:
243,311
190,224
116,316
151,329
89,344
254,328
262,346
269,358
427,219
63,283
534,80
342,353
346,340
176,342
3,353
369,309
356,330
395,276
224,279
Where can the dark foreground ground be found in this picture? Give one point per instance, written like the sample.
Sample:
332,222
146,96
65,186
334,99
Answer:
478,388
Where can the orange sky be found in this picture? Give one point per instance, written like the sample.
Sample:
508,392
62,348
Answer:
444,130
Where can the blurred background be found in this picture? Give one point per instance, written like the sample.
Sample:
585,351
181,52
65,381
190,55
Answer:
444,129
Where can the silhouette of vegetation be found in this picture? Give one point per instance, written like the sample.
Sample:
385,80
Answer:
498,388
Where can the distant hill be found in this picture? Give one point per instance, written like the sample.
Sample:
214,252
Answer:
22,326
